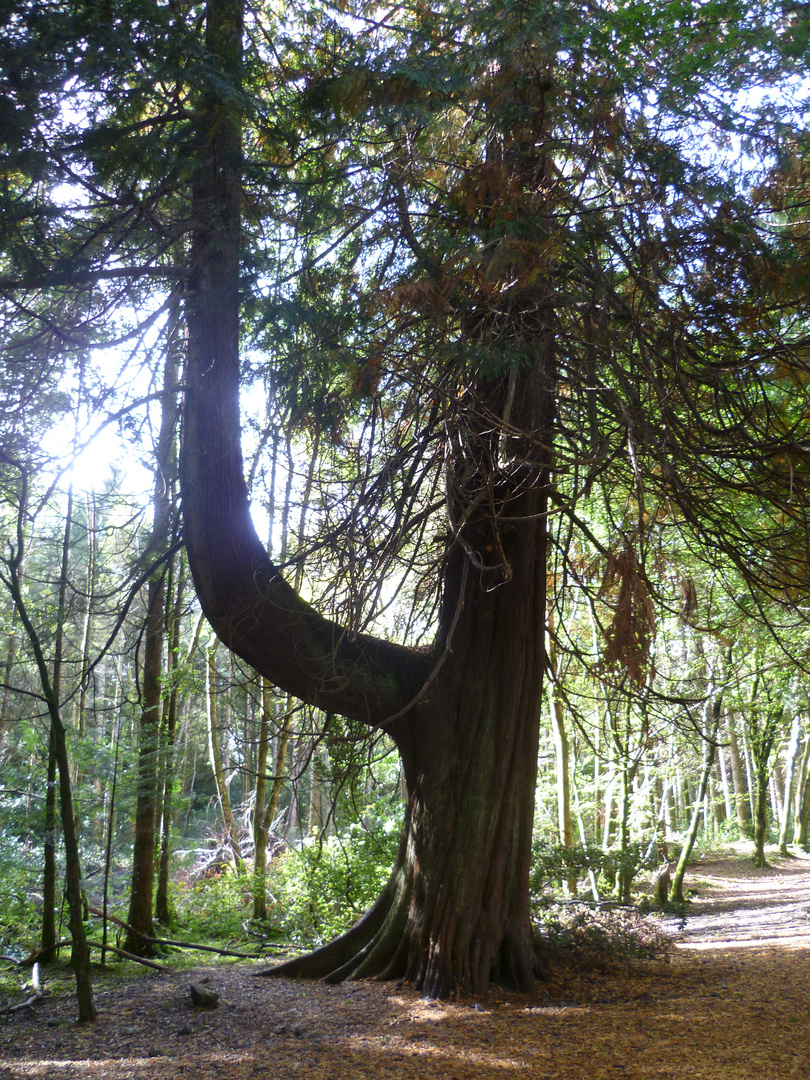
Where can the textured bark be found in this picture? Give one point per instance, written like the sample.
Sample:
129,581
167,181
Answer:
455,914
465,716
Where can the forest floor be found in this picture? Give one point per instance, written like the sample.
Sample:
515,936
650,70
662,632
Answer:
726,998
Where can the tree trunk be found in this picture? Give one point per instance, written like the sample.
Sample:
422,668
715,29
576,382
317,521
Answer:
80,954
455,912
761,810
48,936
709,747
261,820
215,756
561,753
464,716
790,772
802,811
163,907
49,890
143,855
741,801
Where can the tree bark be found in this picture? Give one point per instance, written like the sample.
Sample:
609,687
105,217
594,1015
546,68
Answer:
741,800
709,748
464,715
790,772
143,855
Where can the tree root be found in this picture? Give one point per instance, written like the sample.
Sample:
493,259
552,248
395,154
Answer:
375,947
383,945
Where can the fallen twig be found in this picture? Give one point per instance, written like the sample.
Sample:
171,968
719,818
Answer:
66,943
131,956
171,944
28,1004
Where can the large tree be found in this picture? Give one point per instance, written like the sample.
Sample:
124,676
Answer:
523,268
553,246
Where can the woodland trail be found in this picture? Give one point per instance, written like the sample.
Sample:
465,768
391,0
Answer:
728,1002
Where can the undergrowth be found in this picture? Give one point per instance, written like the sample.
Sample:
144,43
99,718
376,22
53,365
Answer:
586,938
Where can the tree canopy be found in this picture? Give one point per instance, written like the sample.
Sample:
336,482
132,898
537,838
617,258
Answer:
532,277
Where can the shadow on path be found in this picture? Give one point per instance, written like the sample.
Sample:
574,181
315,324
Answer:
736,906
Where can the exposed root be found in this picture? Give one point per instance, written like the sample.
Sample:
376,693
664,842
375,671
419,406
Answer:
371,948
391,941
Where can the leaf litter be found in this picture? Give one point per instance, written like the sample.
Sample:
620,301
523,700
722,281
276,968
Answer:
723,998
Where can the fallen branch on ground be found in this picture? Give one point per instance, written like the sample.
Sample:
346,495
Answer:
171,944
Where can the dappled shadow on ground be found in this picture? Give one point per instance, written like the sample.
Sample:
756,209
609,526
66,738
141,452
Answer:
725,1004
737,907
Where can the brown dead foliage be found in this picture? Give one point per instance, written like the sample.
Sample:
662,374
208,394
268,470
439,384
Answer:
730,1003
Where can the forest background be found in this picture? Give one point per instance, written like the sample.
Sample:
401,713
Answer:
399,224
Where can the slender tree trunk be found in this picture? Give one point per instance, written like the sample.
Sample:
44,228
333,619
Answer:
741,801
163,911
48,936
8,670
215,756
143,855
561,752
80,954
790,772
87,637
761,808
709,747
724,785
802,813
87,632
749,776
49,885
261,820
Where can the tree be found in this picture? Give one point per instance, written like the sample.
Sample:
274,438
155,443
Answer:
10,578
511,276
143,859
464,714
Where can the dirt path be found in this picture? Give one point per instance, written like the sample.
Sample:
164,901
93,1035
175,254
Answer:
729,1003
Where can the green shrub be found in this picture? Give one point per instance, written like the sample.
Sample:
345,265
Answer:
553,864
214,909
322,887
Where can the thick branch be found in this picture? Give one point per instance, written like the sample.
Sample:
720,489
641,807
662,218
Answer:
250,606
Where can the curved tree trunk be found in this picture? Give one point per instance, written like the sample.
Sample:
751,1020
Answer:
465,716
455,913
